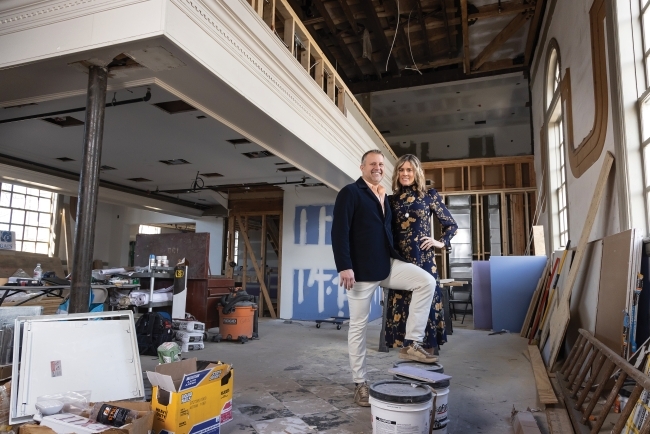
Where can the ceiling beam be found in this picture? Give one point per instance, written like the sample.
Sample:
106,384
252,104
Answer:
345,49
347,10
497,65
313,21
428,49
428,78
379,35
500,9
510,29
465,24
533,31
445,18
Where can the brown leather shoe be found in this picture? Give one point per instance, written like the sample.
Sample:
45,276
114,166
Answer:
361,395
417,353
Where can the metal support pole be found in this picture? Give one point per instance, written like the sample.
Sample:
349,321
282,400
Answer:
84,238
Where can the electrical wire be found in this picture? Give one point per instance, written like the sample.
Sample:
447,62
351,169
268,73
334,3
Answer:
394,37
408,34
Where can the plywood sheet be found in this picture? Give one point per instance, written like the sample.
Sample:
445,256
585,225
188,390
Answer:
195,247
613,289
513,281
481,295
10,261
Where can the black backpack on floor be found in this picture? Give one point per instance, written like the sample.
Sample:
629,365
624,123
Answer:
152,330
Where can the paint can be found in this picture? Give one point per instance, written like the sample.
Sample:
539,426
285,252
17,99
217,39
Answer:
400,407
441,388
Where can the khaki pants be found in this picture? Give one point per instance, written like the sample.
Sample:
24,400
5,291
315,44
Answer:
402,276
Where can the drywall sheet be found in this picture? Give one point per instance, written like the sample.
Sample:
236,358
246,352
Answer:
481,295
612,293
513,281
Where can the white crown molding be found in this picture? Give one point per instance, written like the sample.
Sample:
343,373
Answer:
32,14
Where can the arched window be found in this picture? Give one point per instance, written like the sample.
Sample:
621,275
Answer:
556,152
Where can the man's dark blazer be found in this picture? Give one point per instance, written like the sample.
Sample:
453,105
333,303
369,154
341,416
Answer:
362,239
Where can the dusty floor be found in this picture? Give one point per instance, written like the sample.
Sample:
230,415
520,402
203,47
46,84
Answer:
296,379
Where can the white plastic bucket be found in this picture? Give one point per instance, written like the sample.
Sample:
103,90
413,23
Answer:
398,407
441,420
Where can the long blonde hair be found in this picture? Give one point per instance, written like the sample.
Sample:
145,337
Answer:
418,173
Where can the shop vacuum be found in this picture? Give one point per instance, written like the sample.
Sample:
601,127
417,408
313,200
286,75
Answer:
237,317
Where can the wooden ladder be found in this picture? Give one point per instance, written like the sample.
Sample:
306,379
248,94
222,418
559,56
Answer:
590,356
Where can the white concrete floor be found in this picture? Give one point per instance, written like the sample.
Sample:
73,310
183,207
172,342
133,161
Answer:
296,379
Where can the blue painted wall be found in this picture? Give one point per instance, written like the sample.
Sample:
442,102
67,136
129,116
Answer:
309,274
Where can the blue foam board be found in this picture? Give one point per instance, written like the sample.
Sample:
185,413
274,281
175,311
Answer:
513,281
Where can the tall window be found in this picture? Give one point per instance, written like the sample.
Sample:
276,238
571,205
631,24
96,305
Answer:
559,215
147,229
29,212
644,103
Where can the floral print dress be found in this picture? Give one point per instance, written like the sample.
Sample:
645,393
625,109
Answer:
411,222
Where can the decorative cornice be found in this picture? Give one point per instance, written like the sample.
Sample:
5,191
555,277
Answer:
40,13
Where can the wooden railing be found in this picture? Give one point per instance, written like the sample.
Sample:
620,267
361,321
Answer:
590,356
278,14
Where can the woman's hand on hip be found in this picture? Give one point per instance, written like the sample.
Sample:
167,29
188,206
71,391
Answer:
428,242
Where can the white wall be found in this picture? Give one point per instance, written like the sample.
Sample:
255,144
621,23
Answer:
310,287
115,225
569,25
214,226
453,145
569,20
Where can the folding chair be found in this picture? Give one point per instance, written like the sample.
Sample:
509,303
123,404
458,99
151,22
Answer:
454,301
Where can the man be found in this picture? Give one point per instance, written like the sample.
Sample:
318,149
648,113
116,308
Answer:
362,242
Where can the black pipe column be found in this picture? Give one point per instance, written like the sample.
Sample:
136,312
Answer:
84,238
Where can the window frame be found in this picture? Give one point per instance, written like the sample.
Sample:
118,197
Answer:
13,191
556,155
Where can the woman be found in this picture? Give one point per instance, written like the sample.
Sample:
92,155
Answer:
413,205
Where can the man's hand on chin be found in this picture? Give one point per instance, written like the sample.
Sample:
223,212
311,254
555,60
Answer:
346,279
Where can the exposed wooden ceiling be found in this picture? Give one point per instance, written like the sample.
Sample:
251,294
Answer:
418,42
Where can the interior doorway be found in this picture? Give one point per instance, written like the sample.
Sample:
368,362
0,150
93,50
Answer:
254,255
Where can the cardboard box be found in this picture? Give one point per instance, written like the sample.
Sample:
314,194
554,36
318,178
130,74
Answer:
188,401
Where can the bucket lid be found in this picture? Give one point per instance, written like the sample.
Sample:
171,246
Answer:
436,367
438,385
400,392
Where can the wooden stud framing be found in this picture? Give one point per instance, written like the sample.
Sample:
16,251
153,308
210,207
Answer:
340,91
500,9
289,32
258,272
269,14
231,247
305,55
242,223
263,259
319,75
465,26
331,88
259,8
